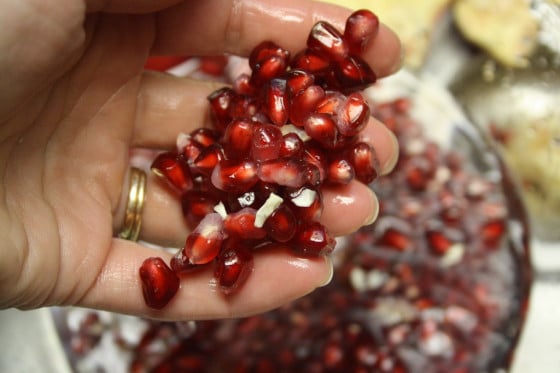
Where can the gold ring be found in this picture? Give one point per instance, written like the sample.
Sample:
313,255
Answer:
134,205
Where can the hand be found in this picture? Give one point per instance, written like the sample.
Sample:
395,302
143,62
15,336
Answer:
74,101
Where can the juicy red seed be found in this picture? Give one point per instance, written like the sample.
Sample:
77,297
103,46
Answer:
297,81
281,224
354,73
276,102
326,40
234,176
242,85
314,154
173,168
266,142
361,27
264,51
233,266
313,239
438,242
332,103
180,263
395,238
340,171
303,104
253,198
363,158
289,172
241,224
492,232
208,159
196,205
418,173
322,128
238,138
159,282
189,148
270,68
204,242
311,62
205,136
291,145
306,203
213,65
354,115
220,106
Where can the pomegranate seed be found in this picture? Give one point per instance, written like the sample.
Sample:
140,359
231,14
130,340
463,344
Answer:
234,176
311,62
331,104
262,52
277,101
213,65
281,224
492,232
297,81
220,104
363,158
205,241
174,169
266,142
180,263
361,27
306,203
238,137
314,154
159,282
241,224
268,69
291,172
322,128
419,172
189,148
290,146
233,266
304,103
312,238
242,85
208,159
353,72
394,233
205,136
326,40
354,115
340,171
196,205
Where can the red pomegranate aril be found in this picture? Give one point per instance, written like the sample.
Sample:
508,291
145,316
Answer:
312,239
204,242
291,172
159,282
233,266
173,168
438,242
361,27
270,68
297,81
492,232
322,128
311,62
237,138
281,225
266,142
340,171
264,51
241,224
208,159
304,103
276,106
205,136
234,176
213,65
326,40
180,263
220,105
242,85
354,115
313,153
291,146
188,147
354,73
363,158
196,205
418,173
394,233
332,103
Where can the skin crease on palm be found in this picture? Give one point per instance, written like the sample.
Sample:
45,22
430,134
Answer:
74,100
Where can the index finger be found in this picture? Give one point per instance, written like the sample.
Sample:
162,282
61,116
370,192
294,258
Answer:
214,27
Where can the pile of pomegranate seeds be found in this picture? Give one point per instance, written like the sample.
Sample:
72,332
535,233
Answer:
254,178
438,284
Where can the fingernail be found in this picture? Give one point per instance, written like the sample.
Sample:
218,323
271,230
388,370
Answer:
392,160
374,209
329,277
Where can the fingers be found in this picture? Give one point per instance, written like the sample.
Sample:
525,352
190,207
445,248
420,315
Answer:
118,287
215,26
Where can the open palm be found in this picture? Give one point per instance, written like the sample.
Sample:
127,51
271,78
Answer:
75,100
